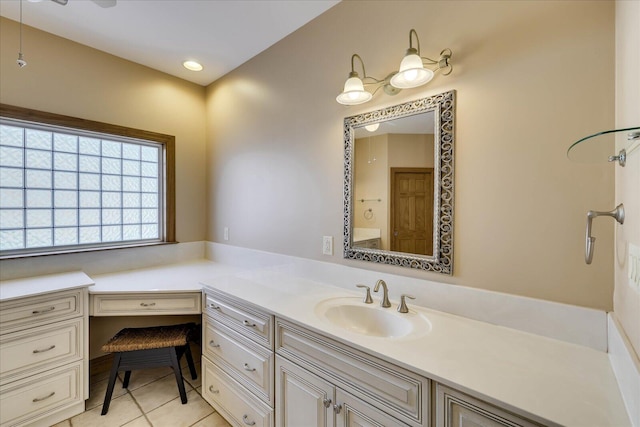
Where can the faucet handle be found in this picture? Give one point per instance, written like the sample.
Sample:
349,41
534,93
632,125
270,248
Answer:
402,307
367,299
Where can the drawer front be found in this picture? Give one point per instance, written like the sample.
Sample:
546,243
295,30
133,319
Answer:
35,311
145,304
247,362
247,320
22,402
401,393
40,348
232,400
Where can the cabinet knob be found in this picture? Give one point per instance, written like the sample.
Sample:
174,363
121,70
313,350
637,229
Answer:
144,304
326,403
337,408
248,368
245,419
214,307
213,391
212,343
249,324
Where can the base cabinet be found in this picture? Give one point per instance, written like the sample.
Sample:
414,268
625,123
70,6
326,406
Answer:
307,400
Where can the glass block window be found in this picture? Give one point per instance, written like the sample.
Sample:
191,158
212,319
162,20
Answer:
64,189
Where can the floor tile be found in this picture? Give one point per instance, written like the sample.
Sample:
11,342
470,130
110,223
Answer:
213,420
142,377
186,374
121,411
175,414
98,389
157,393
65,423
138,422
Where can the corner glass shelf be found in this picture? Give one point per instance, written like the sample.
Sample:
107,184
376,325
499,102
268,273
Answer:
609,145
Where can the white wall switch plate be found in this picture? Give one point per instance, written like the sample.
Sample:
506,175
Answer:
327,245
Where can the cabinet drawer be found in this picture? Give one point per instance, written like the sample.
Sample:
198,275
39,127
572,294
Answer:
22,402
400,392
40,348
233,402
247,362
246,319
145,304
34,311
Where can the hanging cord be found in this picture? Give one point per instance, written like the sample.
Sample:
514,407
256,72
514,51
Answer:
21,62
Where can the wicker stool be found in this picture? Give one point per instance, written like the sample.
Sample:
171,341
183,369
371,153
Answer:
141,348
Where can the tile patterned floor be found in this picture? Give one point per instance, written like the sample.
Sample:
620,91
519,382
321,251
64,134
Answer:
151,400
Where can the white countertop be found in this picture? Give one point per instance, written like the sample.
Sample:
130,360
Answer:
182,277
38,285
544,379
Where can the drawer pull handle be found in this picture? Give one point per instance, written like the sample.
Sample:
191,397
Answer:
245,419
337,408
144,304
213,391
248,368
212,343
326,403
36,351
215,307
46,310
40,399
249,324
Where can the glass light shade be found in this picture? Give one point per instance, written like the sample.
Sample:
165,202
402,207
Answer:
353,93
412,73
372,128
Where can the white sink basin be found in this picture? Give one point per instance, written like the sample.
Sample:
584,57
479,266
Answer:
353,315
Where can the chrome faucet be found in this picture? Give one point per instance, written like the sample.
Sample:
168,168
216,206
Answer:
385,293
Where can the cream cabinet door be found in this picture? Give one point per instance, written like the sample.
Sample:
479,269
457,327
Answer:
353,412
455,409
303,399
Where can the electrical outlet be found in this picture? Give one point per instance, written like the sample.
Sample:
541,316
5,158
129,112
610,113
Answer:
327,245
226,233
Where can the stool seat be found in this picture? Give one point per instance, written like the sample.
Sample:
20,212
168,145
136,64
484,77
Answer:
130,339
151,347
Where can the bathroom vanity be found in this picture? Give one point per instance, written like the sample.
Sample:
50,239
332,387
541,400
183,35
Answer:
272,358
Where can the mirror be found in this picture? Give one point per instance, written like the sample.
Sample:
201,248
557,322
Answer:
398,184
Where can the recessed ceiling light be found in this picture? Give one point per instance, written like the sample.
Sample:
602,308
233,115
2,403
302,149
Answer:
192,65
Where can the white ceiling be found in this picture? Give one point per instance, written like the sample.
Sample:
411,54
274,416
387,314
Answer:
161,34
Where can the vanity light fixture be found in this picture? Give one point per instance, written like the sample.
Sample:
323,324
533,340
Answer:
412,73
354,93
372,127
192,65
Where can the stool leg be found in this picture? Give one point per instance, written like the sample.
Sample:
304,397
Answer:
127,377
192,367
175,364
112,382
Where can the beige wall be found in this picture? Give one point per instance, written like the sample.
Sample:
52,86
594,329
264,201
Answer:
626,299
531,78
411,150
67,78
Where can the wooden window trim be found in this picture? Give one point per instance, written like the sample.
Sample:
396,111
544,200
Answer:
168,141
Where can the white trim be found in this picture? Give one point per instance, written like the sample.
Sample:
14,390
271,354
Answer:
626,368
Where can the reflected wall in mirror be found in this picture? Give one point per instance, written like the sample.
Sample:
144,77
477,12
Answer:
398,184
